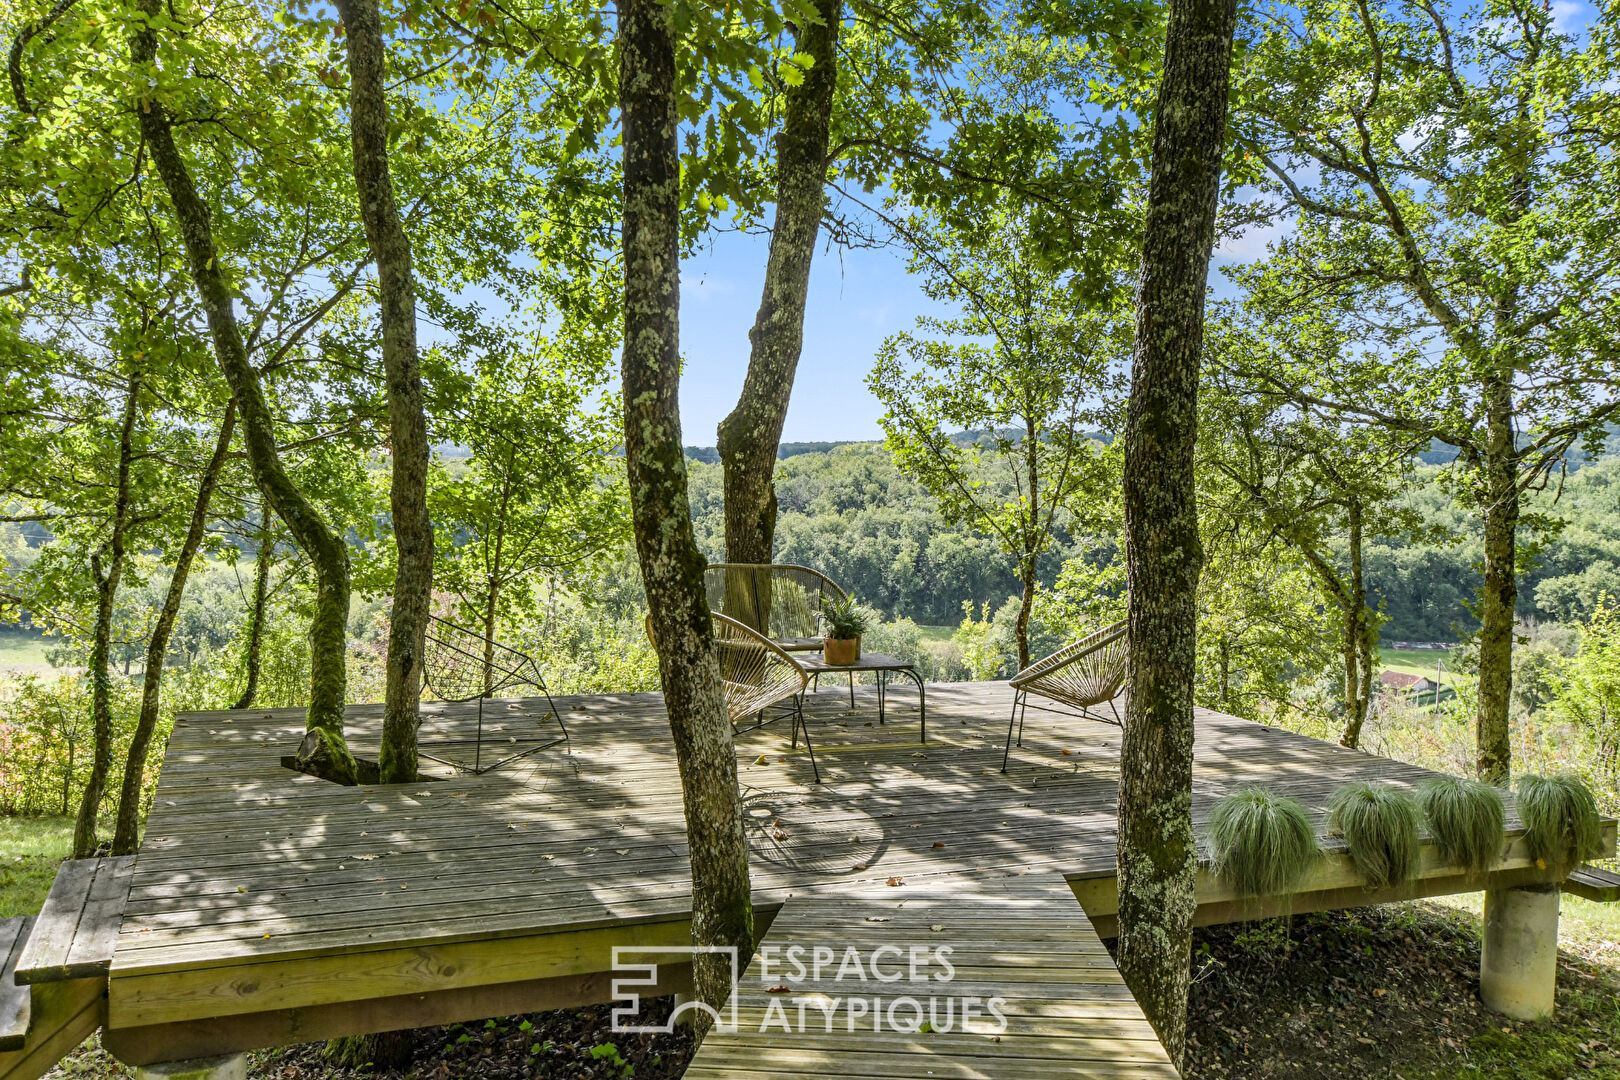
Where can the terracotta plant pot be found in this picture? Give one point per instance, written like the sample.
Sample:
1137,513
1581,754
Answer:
841,652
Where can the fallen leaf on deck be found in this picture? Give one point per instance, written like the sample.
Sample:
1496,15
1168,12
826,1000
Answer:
860,866
938,928
761,760
777,989
895,881
939,843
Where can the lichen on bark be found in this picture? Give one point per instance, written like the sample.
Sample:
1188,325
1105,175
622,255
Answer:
1157,849
671,565
327,551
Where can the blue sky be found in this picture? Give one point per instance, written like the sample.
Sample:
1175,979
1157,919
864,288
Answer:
857,298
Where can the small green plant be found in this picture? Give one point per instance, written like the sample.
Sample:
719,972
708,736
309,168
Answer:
1380,824
844,619
610,1053
1260,843
1466,819
1562,828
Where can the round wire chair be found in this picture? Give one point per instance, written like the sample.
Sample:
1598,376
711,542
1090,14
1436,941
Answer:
758,679
1081,675
780,600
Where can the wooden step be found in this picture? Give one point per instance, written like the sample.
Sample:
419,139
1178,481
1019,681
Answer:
75,932
15,1001
1594,883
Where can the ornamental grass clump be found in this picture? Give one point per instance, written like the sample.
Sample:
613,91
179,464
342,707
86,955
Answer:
1562,828
1260,843
1380,824
1467,820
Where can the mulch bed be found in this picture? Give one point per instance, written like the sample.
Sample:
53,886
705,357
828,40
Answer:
567,1044
1382,992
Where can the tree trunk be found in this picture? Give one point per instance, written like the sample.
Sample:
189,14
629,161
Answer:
1500,589
127,835
384,1051
1157,850
107,577
261,598
407,422
1025,604
1358,658
748,438
324,751
671,565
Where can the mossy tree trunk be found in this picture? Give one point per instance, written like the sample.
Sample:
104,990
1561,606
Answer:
324,752
407,421
749,436
671,565
126,836
1157,849
1499,591
107,572
252,659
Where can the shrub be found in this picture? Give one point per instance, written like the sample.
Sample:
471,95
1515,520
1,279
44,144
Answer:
1562,828
1260,843
1380,824
1466,819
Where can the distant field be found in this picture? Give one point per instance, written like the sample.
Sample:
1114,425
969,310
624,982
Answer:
1416,661
936,633
22,650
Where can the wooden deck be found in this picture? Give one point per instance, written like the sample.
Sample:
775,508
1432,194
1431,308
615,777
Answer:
268,907
1006,973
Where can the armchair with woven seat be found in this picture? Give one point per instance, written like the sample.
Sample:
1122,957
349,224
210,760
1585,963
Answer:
756,676
780,600
1081,675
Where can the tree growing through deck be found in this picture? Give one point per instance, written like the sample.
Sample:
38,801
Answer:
1157,849
671,565
325,750
402,372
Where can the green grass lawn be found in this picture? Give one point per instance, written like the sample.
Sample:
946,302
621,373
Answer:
30,849
935,634
23,650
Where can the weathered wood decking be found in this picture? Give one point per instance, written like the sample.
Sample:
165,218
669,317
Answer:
269,907
969,977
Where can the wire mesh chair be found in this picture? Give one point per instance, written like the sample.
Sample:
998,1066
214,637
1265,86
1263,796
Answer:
780,600
463,665
758,679
1081,675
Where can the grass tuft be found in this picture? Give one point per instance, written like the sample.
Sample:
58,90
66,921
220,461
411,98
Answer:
1380,824
1467,820
1562,828
1262,844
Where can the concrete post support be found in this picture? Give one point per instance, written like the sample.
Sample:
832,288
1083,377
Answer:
1518,967
227,1067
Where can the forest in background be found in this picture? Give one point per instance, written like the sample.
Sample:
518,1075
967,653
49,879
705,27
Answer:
947,595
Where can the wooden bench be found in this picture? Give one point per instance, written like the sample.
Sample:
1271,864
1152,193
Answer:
1593,883
15,1000
73,937
53,990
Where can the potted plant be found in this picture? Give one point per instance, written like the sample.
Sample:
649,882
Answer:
844,621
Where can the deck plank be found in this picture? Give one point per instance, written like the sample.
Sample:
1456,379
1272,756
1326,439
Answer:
14,999
1019,952
77,929
259,879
